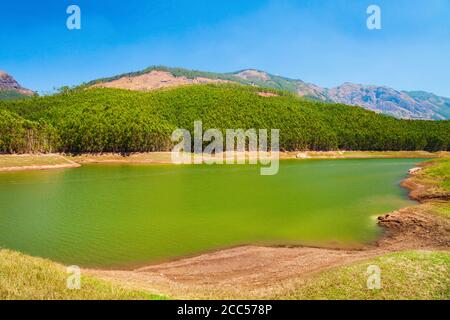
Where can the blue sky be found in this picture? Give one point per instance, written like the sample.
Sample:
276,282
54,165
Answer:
325,42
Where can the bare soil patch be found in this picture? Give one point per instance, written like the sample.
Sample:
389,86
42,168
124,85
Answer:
154,80
267,94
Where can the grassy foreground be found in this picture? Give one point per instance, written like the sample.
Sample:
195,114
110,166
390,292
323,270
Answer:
404,275
27,278
438,174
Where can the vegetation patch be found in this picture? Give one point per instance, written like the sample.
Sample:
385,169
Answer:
27,278
404,275
432,182
439,173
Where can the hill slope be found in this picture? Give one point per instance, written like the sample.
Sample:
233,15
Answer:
114,120
400,104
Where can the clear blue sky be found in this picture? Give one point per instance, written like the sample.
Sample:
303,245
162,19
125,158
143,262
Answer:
320,41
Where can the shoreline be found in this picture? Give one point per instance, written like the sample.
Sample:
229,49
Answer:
29,162
245,271
9,162
43,167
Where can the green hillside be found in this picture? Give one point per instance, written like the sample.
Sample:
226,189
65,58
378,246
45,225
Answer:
114,120
12,95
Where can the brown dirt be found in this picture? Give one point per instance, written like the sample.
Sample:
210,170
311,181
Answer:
263,272
155,80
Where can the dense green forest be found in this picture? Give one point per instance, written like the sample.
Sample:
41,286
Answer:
20,135
115,120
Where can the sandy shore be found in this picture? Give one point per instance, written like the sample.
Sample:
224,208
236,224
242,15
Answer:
26,162
266,272
165,157
57,161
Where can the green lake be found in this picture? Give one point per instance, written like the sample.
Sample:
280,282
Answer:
130,215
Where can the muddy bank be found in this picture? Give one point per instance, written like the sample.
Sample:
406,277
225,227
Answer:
264,272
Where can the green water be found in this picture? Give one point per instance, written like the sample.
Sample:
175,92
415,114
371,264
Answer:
128,215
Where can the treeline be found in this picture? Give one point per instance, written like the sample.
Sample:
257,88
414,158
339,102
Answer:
18,135
113,120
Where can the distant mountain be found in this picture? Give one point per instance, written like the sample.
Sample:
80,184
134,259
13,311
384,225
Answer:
441,105
381,99
10,89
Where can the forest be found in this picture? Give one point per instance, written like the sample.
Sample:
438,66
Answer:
88,120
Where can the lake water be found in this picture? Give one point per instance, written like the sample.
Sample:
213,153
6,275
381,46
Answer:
130,215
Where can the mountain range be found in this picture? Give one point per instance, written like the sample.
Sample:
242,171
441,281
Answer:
380,99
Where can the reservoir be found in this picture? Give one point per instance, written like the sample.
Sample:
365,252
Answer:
120,216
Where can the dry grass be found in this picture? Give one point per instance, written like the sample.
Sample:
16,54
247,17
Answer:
27,278
439,173
404,275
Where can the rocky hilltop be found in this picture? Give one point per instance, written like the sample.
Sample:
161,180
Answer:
8,83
